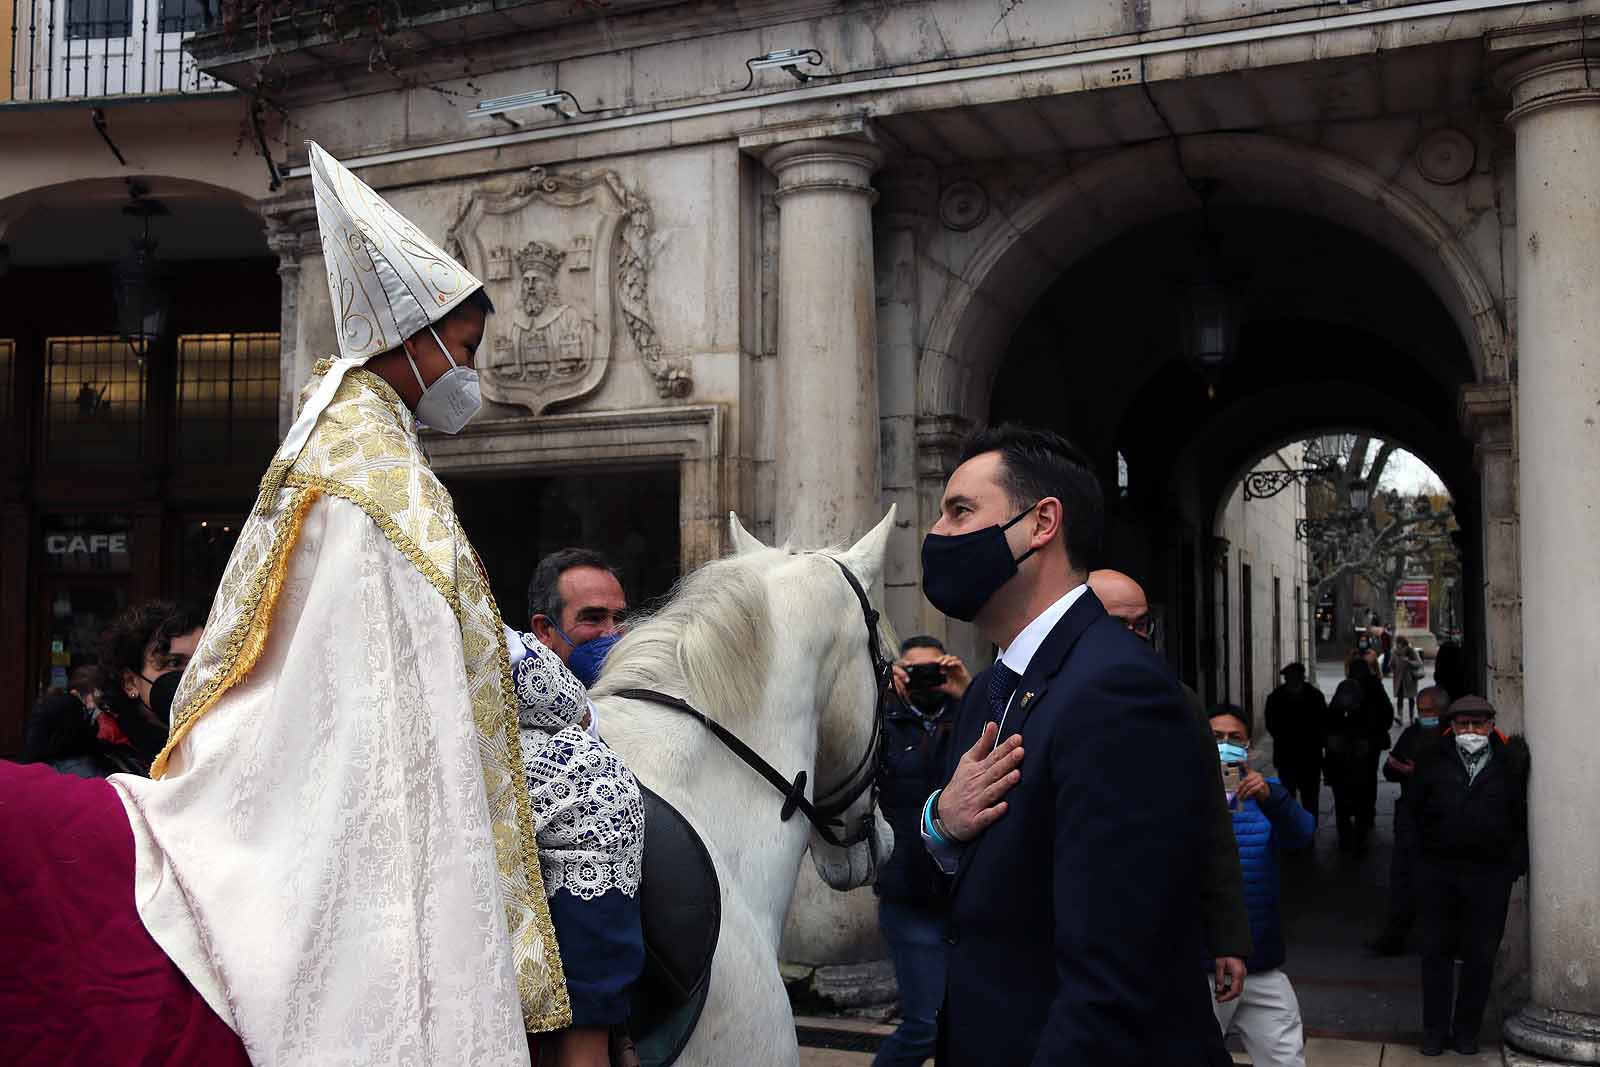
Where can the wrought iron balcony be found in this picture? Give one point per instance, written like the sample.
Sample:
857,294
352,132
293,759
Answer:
88,49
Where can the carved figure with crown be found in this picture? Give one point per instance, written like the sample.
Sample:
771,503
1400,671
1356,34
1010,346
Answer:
549,341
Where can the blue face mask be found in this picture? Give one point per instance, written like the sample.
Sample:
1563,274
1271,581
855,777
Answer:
1430,721
587,658
1232,753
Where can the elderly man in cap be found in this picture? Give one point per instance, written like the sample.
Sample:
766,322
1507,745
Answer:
1295,714
1469,813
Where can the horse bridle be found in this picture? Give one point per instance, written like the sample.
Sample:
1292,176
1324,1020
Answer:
824,812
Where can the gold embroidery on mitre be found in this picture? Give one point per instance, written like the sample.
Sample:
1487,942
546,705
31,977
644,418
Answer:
364,451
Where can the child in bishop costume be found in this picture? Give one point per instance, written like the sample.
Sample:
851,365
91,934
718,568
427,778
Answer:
372,787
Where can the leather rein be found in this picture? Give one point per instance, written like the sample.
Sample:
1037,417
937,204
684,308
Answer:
824,812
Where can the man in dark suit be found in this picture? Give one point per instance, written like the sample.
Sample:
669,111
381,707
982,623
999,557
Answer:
1074,822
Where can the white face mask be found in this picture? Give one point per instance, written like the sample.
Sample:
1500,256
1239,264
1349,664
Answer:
1471,744
451,401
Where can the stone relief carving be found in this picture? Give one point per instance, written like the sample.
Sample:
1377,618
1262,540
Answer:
562,255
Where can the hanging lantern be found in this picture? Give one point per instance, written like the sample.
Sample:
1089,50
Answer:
139,281
1209,310
1360,496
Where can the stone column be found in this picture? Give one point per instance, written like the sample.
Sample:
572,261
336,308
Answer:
904,218
827,462
284,241
827,471
1555,97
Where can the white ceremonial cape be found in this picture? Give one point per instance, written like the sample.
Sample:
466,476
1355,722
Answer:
337,849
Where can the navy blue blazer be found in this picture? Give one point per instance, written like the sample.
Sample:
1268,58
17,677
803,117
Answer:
1075,919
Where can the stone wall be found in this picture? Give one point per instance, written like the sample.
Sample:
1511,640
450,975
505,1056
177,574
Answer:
1261,534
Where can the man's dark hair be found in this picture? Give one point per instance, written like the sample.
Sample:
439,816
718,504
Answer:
1236,711
921,641
151,625
1038,463
544,588
478,298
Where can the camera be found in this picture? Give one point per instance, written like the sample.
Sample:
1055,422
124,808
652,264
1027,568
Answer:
924,677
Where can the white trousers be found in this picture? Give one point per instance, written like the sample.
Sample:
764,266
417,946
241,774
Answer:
1267,1019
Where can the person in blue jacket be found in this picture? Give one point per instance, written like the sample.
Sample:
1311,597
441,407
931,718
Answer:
1266,820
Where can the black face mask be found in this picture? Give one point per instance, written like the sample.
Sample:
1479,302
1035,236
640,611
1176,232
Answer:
960,572
162,690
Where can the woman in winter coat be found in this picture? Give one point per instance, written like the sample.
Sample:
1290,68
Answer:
1406,666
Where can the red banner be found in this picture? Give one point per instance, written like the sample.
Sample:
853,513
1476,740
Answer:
1411,605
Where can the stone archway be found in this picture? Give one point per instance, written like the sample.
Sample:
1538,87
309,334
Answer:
1005,273
989,291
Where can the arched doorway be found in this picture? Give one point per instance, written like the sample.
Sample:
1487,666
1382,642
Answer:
1359,304
138,407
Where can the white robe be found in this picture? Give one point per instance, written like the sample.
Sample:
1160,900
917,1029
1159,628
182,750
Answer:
318,859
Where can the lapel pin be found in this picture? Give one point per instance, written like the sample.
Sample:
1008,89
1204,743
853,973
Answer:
1026,697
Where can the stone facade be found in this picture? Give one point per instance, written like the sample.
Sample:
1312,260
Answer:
804,291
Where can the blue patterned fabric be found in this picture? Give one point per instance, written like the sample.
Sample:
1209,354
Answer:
1262,829
1002,683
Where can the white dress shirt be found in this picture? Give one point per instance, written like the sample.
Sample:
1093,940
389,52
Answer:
1017,656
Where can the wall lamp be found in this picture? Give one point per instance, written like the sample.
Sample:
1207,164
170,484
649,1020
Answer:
556,101
789,59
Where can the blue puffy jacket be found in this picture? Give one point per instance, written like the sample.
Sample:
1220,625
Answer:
1261,829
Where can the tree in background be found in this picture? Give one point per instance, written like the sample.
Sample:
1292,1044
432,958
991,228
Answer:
1353,532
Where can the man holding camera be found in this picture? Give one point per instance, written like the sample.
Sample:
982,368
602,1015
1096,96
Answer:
912,904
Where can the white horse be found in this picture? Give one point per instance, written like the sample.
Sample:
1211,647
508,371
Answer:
770,643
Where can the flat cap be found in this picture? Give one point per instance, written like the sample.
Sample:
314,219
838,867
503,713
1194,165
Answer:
1472,704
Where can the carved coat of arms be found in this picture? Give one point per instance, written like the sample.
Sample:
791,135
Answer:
564,257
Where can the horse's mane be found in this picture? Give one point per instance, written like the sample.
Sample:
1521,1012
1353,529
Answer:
710,643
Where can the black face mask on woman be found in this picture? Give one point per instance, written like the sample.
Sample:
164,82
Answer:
960,572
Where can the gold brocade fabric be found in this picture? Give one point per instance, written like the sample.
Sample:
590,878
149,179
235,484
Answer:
365,450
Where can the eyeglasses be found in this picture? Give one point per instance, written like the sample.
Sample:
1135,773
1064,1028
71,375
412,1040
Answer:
1144,628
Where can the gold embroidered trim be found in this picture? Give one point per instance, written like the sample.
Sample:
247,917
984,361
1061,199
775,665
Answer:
249,635
560,1014
391,529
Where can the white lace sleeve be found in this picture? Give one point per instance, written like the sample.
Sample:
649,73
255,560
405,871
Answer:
549,697
587,813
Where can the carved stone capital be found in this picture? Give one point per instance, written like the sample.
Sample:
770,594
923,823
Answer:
833,164
1486,410
1563,72
939,439
290,234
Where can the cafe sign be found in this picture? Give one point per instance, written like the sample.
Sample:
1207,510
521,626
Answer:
87,550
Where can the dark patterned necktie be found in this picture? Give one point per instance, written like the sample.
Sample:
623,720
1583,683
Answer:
1002,683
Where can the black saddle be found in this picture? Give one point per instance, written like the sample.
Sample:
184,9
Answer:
681,909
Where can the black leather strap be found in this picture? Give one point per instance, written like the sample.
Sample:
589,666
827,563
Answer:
794,793
824,814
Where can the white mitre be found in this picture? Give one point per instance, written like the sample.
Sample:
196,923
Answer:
386,279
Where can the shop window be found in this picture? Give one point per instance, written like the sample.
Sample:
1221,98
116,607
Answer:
99,19
94,400
227,397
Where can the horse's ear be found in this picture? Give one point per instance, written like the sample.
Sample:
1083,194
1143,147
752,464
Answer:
741,540
865,558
